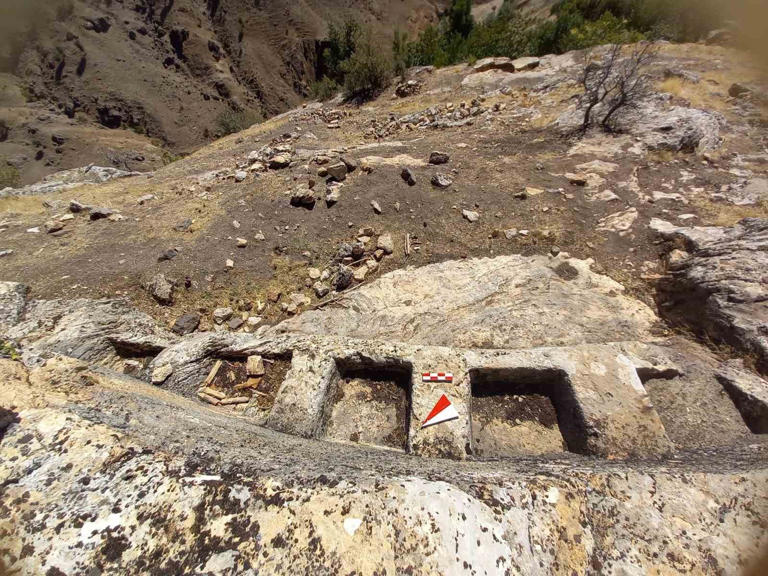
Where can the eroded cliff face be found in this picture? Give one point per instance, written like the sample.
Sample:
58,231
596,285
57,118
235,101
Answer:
171,68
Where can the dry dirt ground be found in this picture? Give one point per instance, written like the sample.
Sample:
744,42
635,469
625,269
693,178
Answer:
491,161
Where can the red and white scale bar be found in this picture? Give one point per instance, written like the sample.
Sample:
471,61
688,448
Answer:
436,377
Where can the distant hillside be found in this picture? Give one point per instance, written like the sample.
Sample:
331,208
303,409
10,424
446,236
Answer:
171,69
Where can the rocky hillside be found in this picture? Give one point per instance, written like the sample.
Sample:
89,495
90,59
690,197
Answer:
224,365
170,68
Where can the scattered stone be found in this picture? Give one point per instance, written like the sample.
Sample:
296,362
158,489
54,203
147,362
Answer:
53,226
98,212
303,197
441,181
161,373
144,199
76,207
229,263
66,217
299,299
259,236
161,289
279,162
360,273
186,324
525,63
555,250
738,90
407,175
619,222
321,289
235,323
4,253
252,323
221,315
350,163
242,242
407,88
168,255
332,195
343,278
499,63
470,215
376,207
510,233
385,243
438,158
183,226
378,254
313,273
240,175
115,217
338,171
577,179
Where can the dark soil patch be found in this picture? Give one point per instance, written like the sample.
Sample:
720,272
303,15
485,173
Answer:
362,408
531,408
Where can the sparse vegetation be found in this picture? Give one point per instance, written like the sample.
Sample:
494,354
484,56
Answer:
324,89
231,121
577,24
367,72
352,60
8,350
9,175
613,83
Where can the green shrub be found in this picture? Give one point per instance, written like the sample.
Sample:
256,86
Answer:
231,121
367,72
324,89
9,176
400,53
607,30
342,42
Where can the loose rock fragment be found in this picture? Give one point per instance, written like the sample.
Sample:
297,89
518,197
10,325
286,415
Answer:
186,324
161,373
470,215
254,366
408,176
376,207
438,158
441,181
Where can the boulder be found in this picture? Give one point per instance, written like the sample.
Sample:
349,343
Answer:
385,243
337,171
439,158
525,63
441,181
161,289
536,302
494,63
408,176
186,324
720,289
304,198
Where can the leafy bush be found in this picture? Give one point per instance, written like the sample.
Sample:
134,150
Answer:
9,175
367,72
608,29
324,89
231,121
342,42
400,53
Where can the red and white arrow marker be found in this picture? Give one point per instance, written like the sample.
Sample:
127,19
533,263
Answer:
436,377
442,412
